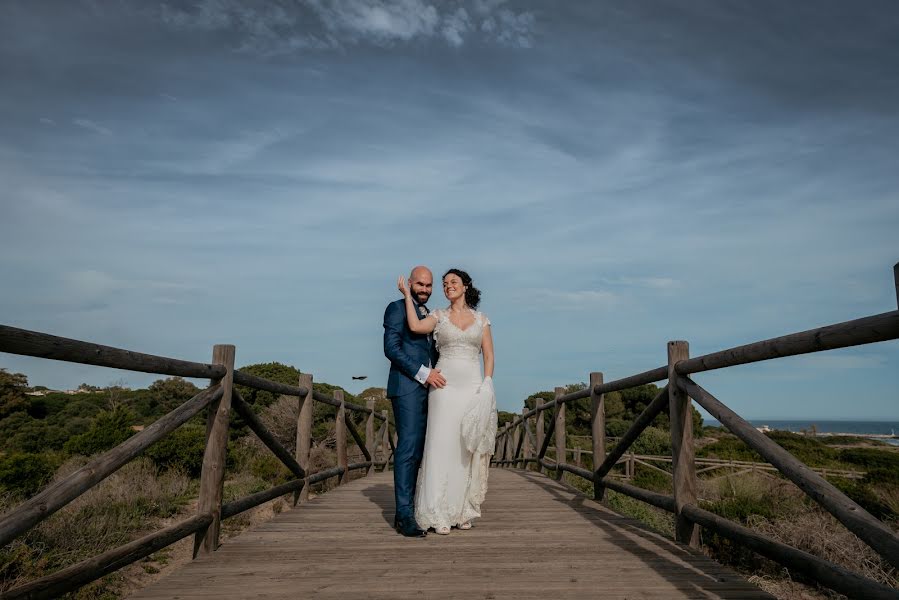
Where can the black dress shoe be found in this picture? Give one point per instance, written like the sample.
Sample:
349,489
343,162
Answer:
408,528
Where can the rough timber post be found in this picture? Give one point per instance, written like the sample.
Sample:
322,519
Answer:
683,461
539,431
340,434
304,430
560,432
212,476
370,443
598,432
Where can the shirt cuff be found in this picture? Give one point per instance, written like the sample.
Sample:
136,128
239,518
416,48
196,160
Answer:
422,375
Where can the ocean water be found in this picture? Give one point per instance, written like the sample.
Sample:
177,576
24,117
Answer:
848,427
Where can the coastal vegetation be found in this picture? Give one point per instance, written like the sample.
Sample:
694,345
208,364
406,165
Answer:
47,436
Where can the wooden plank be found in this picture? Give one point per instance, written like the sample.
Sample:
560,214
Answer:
370,443
212,475
43,345
683,465
537,539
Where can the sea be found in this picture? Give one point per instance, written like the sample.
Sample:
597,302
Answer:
823,426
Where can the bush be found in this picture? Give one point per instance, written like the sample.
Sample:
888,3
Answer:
25,473
872,458
181,450
617,427
108,430
652,441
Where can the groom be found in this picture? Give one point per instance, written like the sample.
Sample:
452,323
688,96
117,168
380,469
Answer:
412,359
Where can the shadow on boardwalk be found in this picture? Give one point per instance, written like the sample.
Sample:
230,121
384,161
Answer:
537,539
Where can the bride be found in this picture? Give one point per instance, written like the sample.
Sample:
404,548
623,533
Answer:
461,427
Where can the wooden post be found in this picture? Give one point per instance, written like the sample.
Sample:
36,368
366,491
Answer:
212,476
304,431
577,456
682,456
507,442
370,443
539,431
340,431
560,432
516,437
526,446
598,433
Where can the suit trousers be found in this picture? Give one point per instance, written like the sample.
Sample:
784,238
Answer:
410,411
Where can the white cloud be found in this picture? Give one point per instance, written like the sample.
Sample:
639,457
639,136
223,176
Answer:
92,126
46,121
320,24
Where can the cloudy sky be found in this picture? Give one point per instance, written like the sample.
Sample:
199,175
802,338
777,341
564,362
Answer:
612,174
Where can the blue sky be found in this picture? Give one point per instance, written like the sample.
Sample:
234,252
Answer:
613,175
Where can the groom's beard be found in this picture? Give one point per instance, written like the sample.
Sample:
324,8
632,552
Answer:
422,297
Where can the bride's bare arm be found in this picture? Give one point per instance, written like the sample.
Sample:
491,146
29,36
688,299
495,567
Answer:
487,349
417,325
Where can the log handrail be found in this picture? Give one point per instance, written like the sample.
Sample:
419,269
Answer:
43,345
678,394
204,524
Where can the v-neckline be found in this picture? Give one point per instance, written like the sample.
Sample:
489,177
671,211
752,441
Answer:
473,323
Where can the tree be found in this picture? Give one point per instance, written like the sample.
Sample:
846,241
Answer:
12,393
273,371
108,430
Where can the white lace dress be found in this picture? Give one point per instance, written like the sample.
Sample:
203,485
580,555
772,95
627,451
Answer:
452,482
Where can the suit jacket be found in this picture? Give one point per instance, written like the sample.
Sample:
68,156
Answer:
406,350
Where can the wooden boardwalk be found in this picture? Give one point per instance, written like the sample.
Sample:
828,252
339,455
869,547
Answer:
537,540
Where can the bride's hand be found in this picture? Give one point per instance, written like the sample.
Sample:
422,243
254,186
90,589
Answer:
401,285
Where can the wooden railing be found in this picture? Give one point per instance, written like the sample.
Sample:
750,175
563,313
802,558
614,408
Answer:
631,460
220,398
675,396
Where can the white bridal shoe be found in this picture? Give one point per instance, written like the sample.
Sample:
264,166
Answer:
465,526
442,530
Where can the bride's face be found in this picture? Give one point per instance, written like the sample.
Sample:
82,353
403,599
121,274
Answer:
452,287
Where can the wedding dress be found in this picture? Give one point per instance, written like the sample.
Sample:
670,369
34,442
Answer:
452,482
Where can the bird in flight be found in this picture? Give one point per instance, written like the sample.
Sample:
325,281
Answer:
360,377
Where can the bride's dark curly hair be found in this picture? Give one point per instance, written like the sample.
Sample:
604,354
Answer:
472,294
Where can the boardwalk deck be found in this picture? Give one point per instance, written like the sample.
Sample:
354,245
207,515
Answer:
537,540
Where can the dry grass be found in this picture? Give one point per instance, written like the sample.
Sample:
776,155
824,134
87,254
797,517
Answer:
128,503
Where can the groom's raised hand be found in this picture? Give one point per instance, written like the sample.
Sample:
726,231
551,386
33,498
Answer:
436,379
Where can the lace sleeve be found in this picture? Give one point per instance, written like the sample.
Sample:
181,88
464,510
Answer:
484,320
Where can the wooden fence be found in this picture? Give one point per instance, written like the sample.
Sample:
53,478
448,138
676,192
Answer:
737,467
676,395
220,398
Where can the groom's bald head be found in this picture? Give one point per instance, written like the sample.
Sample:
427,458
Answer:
421,283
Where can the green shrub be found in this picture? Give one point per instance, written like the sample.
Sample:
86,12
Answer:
616,427
809,450
108,430
650,479
25,473
865,496
652,441
182,450
871,458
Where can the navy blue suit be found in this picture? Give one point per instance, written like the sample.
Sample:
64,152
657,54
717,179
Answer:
407,352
